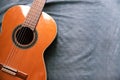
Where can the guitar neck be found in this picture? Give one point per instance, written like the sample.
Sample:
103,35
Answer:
34,14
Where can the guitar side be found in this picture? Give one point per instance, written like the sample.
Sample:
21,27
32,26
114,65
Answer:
30,60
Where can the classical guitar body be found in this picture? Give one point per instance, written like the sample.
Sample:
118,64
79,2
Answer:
22,48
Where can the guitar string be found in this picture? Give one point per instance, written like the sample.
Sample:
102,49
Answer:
14,57
13,51
9,54
28,24
21,38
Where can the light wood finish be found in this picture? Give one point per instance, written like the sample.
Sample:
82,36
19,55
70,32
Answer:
29,61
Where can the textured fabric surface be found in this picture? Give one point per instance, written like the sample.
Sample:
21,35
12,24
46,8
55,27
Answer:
87,46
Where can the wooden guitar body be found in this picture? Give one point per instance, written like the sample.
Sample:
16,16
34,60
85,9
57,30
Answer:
18,62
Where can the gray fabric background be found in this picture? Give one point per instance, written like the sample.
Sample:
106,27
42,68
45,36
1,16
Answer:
87,46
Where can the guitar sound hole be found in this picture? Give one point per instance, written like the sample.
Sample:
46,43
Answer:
24,37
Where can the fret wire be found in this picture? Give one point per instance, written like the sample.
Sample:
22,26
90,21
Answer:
32,23
30,19
34,13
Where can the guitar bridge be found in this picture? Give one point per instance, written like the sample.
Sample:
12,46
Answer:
13,72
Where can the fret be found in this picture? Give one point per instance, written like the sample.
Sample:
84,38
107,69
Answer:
34,14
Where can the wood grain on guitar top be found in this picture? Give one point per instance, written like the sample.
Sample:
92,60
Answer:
29,60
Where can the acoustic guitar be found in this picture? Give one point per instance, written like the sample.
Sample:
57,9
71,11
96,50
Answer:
26,33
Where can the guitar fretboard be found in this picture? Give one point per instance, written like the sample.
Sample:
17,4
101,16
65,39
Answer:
34,14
